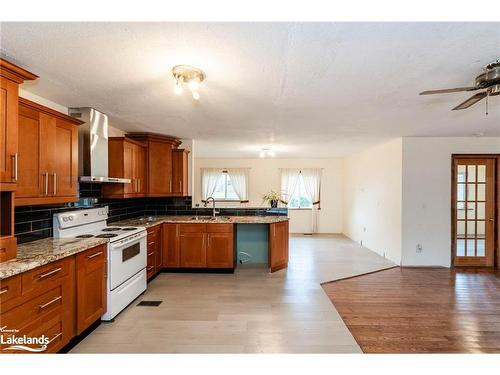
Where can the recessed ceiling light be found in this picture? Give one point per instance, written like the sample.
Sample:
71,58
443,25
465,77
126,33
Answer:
190,76
478,134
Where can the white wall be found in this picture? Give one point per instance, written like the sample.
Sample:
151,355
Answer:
372,199
265,175
426,198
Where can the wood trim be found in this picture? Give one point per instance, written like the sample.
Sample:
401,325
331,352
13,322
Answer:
144,137
496,207
15,72
44,200
50,111
129,140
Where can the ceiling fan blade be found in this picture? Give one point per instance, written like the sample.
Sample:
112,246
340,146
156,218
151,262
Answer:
445,91
472,100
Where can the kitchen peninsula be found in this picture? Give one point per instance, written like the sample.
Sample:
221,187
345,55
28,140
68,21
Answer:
185,242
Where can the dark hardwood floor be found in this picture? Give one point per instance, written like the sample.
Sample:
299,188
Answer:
421,310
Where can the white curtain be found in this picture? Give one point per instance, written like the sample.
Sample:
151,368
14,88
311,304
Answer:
209,179
312,185
289,181
239,179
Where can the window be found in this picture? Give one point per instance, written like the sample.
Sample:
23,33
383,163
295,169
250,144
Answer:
300,188
224,190
299,198
225,184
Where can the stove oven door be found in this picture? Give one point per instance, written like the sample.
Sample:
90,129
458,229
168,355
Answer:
127,257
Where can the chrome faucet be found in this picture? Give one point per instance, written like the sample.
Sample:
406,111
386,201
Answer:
214,211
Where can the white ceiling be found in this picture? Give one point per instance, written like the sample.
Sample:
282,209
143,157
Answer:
307,89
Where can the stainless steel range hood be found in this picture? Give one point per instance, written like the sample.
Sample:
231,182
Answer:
93,146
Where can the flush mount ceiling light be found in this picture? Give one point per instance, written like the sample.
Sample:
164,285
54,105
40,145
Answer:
267,152
189,76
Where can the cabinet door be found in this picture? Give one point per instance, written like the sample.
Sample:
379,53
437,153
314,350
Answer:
90,286
159,168
8,130
278,246
31,177
220,250
64,175
129,168
170,245
180,172
140,169
193,250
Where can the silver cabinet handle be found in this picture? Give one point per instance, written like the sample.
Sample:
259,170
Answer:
4,290
46,177
55,337
151,253
180,186
47,274
55,183
14,174
170,186
94,255
150,268
139,182
50,302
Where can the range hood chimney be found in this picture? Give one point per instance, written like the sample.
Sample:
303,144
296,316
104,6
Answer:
93,146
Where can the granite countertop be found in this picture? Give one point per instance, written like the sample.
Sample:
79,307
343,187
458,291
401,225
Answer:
188,219
37,253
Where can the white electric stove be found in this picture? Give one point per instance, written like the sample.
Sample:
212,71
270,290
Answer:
127,253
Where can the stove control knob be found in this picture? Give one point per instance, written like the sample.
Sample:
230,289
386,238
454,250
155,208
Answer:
70,218
65,218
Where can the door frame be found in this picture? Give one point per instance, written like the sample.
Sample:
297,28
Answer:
496,206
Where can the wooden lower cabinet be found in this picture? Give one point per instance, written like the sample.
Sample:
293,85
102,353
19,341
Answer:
154,251
193,251
220,250
91,274
170,245
58,300
198,245
278,246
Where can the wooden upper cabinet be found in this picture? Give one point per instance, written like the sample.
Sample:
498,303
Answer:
126,159
48,155
278,246
180,172
11,76
65,175
159,163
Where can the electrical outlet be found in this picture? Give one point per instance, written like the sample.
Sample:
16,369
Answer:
364,229
419,248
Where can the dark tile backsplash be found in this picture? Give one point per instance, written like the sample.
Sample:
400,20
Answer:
35,222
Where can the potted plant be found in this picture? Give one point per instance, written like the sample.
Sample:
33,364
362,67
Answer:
272,197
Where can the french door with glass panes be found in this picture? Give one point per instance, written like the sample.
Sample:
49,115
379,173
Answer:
474,211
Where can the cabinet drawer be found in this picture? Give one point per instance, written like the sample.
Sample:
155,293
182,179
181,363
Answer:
56,330
96,255
46,305
10,288
8,248
193,228
219,228
42,276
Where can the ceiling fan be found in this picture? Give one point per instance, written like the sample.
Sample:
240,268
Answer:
488,81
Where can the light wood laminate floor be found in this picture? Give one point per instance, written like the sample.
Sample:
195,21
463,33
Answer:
250,311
